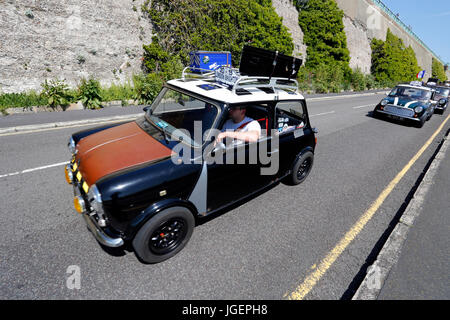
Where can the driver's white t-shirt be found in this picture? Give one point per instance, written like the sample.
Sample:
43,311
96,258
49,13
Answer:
252,125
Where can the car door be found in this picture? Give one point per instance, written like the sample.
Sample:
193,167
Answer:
293,131
239,173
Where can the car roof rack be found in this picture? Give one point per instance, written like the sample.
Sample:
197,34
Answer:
238,81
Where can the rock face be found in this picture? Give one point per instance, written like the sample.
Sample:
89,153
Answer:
368,16
287,10
358,44
69,39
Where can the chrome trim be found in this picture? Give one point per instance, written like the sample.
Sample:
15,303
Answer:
401,108
69,173
102,237
395,115
71,145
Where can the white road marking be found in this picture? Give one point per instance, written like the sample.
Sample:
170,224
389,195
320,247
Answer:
367,105
322,114
34,169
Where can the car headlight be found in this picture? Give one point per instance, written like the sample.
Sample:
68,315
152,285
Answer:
71,145
418,109
384,102
442,101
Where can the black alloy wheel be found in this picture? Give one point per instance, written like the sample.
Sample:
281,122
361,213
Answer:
164,235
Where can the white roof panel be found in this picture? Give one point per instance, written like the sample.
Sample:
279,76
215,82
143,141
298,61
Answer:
228,96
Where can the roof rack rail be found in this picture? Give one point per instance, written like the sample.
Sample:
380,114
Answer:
239,81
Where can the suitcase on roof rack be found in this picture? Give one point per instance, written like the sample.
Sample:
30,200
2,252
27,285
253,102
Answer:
209,60
260,62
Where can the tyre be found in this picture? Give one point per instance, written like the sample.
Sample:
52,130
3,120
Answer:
301,168
421,122
164,235
376,115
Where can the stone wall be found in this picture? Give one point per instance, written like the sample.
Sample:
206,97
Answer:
69,39
287,10
375,22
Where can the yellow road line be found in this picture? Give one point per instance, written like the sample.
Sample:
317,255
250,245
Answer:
311,280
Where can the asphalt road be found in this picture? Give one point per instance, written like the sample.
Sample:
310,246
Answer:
263,249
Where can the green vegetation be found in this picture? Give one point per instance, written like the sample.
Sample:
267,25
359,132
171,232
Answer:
392,62
89,93
57,93
21,100
321,22
438,70
327,65
221,25
118,92
147,87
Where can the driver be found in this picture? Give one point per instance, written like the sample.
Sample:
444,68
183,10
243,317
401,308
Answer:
240,127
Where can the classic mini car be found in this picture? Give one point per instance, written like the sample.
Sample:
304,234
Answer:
412,102
441,97
147,182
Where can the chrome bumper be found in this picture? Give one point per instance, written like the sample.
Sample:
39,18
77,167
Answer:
98,233
396,115
102,237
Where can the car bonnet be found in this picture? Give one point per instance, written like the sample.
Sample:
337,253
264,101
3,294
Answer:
404,102
117,148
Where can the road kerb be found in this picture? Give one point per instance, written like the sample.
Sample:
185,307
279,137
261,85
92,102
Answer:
388,257
32,127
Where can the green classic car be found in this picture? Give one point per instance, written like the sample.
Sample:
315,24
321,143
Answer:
411,102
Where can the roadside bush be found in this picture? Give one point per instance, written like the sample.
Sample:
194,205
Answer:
370,82
22,100
147,87
57,93
118,92
89,93
358,80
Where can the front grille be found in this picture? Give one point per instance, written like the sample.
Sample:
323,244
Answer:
399,111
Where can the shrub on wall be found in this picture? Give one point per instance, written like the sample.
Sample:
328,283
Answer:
323,28
57,93
438,70
221,25
392,62
89,93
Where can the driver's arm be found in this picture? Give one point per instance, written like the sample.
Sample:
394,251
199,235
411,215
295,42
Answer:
252,135
248,136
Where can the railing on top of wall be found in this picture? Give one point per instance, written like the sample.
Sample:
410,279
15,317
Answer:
385,8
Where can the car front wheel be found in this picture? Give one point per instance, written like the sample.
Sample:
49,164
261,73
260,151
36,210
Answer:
301,169
164,235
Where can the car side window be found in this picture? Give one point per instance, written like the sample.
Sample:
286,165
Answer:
289,116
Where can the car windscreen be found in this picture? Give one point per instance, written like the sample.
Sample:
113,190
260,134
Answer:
183,117
443,92
411,93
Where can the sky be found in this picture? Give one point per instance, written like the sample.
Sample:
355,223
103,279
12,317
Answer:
430,21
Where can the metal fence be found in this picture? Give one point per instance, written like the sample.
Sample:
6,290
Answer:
385,8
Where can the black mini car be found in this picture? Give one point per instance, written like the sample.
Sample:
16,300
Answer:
149,180
412,102
441,98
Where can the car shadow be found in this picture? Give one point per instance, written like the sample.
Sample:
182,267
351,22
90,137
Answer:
405,123
202,220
